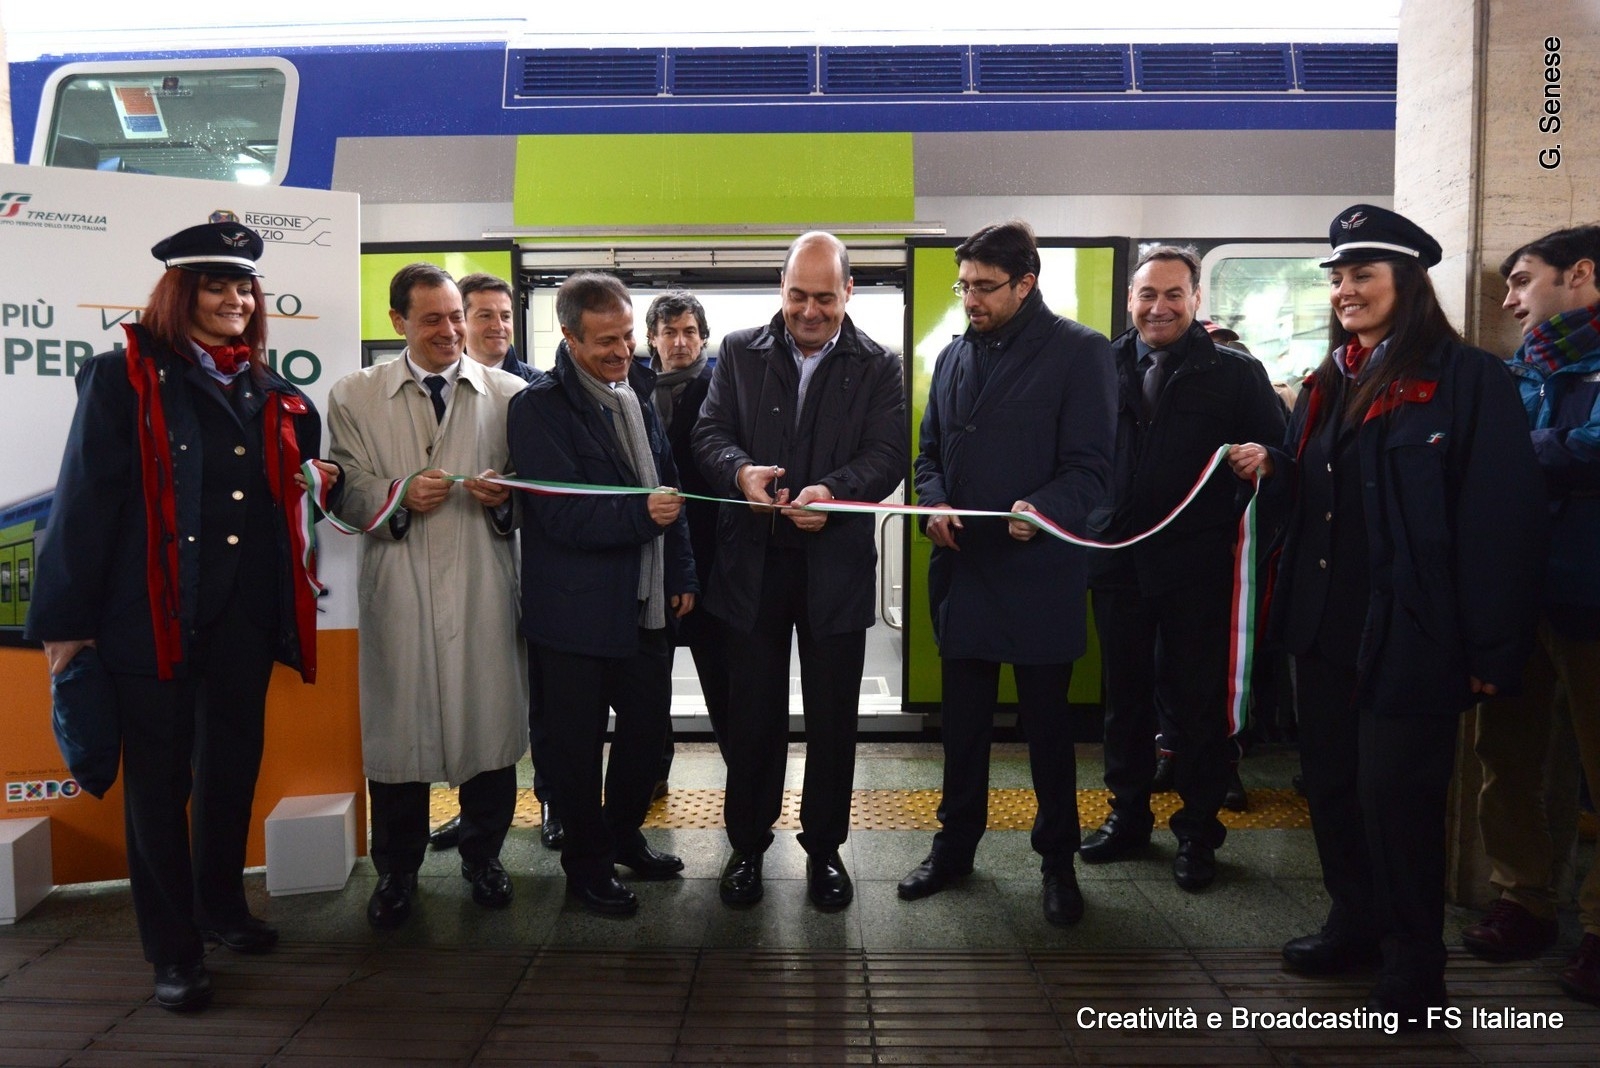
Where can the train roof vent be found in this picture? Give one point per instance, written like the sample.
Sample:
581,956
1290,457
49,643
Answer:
894,70
1212,68
1348,68
1050,69
587,72
745,71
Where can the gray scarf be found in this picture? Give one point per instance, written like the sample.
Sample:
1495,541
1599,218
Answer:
670,385
627,429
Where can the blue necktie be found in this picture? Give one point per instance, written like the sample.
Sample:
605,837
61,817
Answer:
435,384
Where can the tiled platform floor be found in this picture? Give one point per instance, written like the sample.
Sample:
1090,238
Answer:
971,976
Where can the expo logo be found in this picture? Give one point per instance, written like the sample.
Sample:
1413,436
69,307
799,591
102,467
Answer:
18,793
11,203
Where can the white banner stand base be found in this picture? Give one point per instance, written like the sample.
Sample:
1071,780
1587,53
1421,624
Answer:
311,844
24,866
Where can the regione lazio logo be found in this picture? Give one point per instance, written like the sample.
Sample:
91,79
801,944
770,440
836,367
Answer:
11,203
1355,220
222,215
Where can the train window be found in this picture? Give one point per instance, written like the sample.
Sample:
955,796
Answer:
24,580
228,120
5,581
1275,298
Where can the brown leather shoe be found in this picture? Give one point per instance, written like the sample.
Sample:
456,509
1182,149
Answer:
1509,932
1581,976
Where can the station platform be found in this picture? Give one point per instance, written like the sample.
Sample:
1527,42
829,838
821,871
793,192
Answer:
970,976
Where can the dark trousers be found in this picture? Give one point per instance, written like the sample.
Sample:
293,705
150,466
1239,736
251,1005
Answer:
191,750
756,737
400,819
1377,785
971,698
1169,650
711,667
574,694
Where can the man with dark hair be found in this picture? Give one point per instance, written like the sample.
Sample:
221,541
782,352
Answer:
803,409
603,575
1163,607
487,304
1551,290
676,333
1019,420
442,667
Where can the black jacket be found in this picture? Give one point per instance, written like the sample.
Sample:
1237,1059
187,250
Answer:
855,419
1039,430
91,578
1213,396
580,554
702,515
1455,515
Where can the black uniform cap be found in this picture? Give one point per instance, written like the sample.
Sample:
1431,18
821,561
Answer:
1362,233
220,248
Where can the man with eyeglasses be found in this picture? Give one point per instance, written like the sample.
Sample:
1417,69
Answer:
1163,607
1019,419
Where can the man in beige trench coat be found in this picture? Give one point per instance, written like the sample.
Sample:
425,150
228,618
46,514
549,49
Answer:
443,670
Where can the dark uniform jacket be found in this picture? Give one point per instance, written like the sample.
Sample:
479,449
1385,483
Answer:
1213,396
852,437
580,554
1455,520
92,578
1039,430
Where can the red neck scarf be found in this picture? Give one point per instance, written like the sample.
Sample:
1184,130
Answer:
228,358
1355,358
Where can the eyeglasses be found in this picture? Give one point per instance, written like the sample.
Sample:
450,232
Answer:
981,289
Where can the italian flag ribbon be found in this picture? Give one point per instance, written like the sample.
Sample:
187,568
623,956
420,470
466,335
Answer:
1242,640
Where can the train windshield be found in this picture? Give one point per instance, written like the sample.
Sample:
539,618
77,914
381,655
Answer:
226,120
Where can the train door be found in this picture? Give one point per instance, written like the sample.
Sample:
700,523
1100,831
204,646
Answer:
1275,297
1078,278
9,616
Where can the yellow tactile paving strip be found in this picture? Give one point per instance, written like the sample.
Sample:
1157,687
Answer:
914,810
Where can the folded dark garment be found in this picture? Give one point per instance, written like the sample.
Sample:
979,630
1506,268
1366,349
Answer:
84,716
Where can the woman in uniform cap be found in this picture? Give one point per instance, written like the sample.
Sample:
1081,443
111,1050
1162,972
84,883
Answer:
1405,588
175,555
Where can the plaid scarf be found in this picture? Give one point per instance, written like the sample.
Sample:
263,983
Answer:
1563,339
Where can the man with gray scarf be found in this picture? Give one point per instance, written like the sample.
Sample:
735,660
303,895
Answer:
602,577
676,331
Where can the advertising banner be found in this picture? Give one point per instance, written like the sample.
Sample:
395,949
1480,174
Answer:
76,266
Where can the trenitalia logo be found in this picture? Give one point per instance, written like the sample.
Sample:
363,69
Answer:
41,790
11,203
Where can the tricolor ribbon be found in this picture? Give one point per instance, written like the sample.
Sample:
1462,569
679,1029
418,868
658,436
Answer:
1242,641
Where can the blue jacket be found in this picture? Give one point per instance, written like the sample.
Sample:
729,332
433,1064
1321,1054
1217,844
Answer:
1564,416
580,554
1455,525
1039,430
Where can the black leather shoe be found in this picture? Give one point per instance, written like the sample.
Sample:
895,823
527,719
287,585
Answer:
183,987
647,863
741,879
1236,800
251,936
1195,866
1116,839
448,834
551,833
1165,771
491,886
1328,954
390,903
1063,903
1409,1000
607,896
827,883
929,877
659,792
